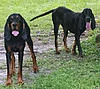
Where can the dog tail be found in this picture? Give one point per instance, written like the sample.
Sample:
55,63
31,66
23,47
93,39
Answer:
48,12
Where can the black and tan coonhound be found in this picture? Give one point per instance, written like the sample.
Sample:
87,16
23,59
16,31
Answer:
16,33
71,21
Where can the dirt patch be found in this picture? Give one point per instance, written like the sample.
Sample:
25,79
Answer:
42,43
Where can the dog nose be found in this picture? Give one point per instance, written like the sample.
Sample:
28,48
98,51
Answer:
87,19
14,24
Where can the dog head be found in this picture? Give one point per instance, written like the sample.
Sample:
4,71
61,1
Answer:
15,26
89,18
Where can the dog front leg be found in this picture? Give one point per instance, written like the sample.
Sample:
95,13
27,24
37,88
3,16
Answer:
20,62
12,63
8,60
65,39
74,48
56,38
77,38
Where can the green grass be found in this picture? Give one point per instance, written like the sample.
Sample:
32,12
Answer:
31,8
65,71
62,71
73,75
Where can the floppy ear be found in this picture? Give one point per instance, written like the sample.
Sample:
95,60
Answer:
83,13
7,34
23,28
80,22
24,32
93,22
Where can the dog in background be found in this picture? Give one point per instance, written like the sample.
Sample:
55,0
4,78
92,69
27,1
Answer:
71,21
16,33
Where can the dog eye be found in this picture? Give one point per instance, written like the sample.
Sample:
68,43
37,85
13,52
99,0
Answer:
17,19
11,20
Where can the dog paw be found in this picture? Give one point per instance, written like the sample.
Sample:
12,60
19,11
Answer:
67,50
35,69
8,82
20,82
74,53
80,56
57,52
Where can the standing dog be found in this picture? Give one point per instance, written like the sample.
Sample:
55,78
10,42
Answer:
71,21
16,33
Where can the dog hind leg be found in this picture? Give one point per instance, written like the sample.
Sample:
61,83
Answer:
30,45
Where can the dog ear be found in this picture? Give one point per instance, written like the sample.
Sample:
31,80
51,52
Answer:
83,13
93,22
24,31
24,28
7,34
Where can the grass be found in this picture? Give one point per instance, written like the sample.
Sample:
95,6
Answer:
31,8
62,71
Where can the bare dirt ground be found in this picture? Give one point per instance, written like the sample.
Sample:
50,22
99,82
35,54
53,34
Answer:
42,43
